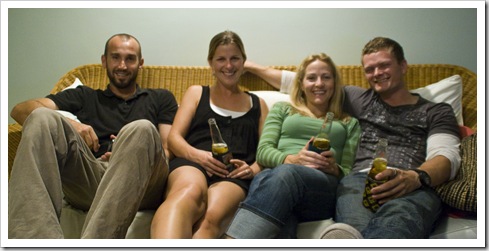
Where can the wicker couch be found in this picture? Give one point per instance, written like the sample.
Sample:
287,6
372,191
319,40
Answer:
178,78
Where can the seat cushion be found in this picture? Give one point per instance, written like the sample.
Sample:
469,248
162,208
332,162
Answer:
72,220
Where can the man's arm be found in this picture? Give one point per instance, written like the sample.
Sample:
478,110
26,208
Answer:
442,163
270,75
438,168
22,110
443,157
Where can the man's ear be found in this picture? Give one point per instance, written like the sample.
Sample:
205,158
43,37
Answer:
104,61
141,63
404,66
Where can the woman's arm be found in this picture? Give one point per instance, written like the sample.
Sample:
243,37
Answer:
256,167
176,137
267,154
179,130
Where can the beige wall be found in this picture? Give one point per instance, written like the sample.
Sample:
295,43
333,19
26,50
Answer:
43,44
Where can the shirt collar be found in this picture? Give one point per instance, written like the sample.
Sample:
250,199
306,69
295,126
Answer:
139,91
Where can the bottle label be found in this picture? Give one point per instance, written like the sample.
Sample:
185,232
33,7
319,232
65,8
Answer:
226,159
368,201
379,164
319,145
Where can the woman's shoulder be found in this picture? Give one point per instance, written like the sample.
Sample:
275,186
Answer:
192,95
282,105
195,90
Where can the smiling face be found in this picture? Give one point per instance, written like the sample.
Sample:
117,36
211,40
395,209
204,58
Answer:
227,64
122,61
384,72
318,85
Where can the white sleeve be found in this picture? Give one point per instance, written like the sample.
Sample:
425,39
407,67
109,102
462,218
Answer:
446,145
287,81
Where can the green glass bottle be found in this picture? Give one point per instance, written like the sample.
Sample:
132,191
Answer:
321,140
379,164
220,150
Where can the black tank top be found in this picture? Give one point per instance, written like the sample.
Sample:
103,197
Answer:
241,134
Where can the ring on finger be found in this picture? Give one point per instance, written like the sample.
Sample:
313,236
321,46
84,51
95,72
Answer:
395,172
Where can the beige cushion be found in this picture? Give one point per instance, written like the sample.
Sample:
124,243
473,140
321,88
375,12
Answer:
272,97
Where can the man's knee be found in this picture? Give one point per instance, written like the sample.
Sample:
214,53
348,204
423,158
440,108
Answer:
140,127
42,121
141,124
42,114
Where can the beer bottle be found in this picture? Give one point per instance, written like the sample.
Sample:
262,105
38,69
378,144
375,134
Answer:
220,150
321,140
379,164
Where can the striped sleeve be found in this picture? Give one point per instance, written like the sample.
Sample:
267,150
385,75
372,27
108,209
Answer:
267,154
351,144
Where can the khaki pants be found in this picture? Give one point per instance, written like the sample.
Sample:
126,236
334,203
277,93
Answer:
53,162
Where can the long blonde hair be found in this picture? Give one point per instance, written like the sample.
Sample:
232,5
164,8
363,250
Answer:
298,98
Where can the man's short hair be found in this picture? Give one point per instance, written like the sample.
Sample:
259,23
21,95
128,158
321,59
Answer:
382,43
124,37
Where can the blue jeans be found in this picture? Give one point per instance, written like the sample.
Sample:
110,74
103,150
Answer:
410,216
282,197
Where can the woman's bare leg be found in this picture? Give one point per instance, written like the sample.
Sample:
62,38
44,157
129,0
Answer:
183,206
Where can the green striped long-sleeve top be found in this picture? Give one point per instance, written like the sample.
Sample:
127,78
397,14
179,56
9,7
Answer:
285,133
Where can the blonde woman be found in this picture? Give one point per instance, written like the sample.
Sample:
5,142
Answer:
300,184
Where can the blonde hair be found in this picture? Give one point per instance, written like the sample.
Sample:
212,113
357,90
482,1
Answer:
298,98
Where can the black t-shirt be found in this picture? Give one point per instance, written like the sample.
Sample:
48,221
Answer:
107,113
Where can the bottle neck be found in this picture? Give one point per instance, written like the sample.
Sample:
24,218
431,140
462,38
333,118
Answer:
215,133
327,124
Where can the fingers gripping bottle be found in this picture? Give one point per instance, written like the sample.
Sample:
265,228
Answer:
379,164
321,140
220,149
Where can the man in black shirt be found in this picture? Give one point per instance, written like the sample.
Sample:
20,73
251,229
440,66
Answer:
60,158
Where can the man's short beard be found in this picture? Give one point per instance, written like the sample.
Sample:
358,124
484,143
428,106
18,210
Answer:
124,85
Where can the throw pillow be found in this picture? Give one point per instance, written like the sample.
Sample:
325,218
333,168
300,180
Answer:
461,192
448,90
76,83
272,97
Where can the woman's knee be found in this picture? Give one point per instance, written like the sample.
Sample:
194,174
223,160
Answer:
187,192
287,173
